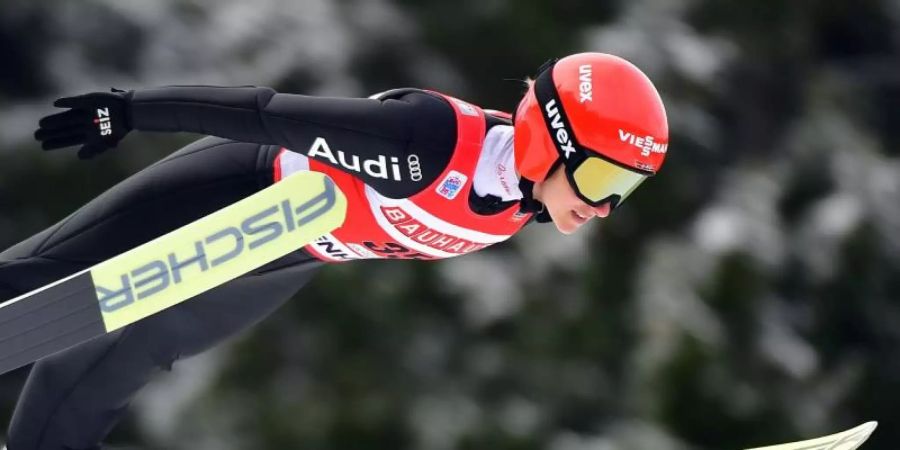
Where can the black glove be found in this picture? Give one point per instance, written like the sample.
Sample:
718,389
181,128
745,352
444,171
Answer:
96,121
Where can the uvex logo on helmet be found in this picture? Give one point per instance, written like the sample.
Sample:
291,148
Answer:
586,87
561,133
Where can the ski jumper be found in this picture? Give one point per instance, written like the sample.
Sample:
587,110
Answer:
427,177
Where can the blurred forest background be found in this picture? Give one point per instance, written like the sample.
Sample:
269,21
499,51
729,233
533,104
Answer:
747,295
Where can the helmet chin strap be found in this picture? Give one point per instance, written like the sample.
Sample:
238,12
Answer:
529,204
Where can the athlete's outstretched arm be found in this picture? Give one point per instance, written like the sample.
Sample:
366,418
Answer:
413,122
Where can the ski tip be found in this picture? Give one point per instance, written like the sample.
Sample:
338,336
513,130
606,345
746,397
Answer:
846,440
861,433
869,426
864,429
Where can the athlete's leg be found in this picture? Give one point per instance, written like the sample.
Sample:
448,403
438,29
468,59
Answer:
73,399
199,179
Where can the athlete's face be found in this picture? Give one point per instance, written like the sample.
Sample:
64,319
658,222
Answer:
568,211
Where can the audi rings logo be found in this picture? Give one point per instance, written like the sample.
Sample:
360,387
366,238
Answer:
415,169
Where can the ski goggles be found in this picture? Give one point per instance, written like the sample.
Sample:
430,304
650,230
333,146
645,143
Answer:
595,179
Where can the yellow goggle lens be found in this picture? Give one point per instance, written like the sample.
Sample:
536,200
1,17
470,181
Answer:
597,179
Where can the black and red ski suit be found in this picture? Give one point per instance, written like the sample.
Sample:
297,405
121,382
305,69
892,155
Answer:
72,399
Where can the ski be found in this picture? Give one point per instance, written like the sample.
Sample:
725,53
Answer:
845,440
170,269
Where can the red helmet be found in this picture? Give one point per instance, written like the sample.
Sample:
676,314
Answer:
600,117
